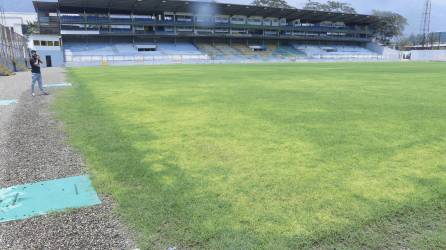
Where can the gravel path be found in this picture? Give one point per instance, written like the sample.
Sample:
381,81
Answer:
33,148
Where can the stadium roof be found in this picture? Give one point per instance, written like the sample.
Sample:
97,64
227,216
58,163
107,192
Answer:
210,8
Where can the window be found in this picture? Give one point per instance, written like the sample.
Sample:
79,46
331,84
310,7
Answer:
255,20
220,19
238,19
146,49
46,43
204,19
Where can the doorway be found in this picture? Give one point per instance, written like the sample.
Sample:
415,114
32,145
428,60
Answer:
48,61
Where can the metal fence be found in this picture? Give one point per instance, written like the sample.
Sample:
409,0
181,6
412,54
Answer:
13,51
96,60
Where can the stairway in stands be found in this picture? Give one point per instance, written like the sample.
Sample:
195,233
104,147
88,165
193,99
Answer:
209,49
270,48
244,50
287,51
227,50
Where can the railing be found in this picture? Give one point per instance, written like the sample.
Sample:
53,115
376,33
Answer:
76,61
13,51
97,19
72,19
144,21
135,59
141,21
121,20
127,32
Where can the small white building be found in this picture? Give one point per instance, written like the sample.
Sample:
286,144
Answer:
48,46
16,20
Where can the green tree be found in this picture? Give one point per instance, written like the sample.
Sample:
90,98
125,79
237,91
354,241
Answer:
403,43
272,3
331,6
388,26
415,39
31,28
310,5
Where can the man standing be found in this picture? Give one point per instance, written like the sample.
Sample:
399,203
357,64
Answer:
36,74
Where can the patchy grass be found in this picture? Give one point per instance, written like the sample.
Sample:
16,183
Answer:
268,156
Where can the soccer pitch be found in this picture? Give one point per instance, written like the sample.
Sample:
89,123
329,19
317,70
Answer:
267,156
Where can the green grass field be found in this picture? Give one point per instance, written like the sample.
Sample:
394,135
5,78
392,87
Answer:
268,156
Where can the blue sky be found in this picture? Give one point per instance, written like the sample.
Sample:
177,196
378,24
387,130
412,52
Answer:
411,9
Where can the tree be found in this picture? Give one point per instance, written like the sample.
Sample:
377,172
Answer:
31,28
310,5
415,39
272,3
404,42
330,6
388,26
341,7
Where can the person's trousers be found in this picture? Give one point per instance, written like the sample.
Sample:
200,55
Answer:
36,77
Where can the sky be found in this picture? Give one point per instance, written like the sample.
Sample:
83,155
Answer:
411,9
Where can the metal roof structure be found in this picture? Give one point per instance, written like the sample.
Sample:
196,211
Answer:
197,7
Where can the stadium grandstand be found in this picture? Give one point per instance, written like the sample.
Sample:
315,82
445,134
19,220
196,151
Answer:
161,31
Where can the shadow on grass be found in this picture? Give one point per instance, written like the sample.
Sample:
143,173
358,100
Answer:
159,200
420,227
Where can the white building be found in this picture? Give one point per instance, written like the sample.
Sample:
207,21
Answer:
17,20
48,46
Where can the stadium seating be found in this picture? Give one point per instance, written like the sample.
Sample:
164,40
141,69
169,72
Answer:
287,51
227,50
77,53
236,52
244,50
269,49
208,49
335,51
178,49
88,49
127,49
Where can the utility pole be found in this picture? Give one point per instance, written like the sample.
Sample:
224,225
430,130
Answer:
426,22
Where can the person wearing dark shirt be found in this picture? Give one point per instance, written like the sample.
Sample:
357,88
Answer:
36,74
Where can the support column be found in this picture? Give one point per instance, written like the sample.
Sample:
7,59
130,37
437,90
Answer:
133,25
174,23
109,20
85,20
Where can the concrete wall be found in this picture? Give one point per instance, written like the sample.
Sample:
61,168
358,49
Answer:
57,58
40,37
428,55
387,53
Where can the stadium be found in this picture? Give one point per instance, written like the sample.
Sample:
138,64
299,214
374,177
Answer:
168,31
175,125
